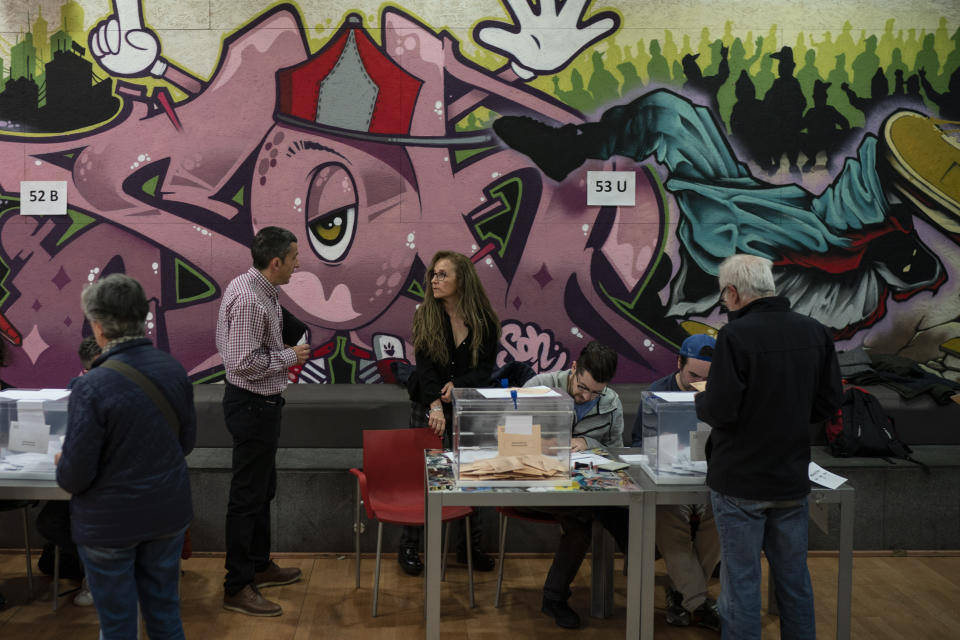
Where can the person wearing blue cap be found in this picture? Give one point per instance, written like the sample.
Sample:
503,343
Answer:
686,534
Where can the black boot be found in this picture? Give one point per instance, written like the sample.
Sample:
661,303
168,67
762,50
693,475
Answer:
561,613
557,151
409,560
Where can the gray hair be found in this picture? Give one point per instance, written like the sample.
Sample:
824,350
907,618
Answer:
118,304
751,275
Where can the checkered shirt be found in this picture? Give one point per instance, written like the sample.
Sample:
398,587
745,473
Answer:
249,338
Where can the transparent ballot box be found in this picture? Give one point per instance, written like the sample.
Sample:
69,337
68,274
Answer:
32,421
673,439
498,444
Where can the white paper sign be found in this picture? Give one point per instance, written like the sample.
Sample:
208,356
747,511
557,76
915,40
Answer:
519,424
823,477
29,438
617,188
43,198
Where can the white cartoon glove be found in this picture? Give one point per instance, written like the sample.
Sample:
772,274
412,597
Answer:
123,46
545,39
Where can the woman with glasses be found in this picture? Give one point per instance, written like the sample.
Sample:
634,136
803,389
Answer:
455,336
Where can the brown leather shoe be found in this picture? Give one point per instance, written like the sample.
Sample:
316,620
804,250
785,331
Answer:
274,576
249,601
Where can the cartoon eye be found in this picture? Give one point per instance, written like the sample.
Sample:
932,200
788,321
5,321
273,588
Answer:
333,196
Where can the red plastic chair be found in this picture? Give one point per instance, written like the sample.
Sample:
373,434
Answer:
391,487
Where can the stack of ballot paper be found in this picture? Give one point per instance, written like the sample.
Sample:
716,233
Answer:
525,467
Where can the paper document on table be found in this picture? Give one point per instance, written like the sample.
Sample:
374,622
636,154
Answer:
823,477
635,458
586,457
28,466
675,396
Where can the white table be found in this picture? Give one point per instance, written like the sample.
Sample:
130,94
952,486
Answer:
661,494
437,499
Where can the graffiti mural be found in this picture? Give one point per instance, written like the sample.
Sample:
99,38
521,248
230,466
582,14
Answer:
380,138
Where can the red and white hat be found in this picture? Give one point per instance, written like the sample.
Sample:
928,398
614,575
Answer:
350,88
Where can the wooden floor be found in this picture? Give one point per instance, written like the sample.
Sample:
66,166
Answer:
917,596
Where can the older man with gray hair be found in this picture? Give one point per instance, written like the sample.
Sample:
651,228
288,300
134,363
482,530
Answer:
130,422
774,372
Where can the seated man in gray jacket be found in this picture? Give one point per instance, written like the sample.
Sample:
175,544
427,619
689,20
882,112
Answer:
598,423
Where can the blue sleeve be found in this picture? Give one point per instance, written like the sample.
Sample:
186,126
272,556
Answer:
80,456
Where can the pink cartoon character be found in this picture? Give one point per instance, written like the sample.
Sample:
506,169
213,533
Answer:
364,151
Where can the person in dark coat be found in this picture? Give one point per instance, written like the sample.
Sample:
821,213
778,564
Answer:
455,337
123,462
773,373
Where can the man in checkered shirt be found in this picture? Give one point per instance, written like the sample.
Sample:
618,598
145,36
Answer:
256,361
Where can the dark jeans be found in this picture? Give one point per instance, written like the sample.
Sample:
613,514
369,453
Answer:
147,572
779,529
254,422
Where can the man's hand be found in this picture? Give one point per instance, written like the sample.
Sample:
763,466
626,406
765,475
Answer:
56,459
545,36
578,444
303,353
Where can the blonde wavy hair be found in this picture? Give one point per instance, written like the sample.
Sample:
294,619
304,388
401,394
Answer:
474,307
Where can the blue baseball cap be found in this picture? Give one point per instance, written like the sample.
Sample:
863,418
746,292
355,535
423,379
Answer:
692,346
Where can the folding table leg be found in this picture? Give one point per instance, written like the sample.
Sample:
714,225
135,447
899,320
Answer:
503,544
470,564
26,543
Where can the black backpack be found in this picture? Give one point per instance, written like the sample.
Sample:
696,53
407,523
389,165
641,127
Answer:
862,428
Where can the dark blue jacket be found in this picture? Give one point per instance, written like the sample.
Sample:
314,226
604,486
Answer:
121,460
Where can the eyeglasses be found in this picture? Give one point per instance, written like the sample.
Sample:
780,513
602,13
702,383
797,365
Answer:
723,296
585,389
439,275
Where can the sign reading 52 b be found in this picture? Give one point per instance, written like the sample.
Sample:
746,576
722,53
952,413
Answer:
43,198
617,188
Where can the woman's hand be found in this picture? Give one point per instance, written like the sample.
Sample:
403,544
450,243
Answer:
578,444
435,419
446,394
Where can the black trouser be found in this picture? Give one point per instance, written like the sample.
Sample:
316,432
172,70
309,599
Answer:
576,524
254,422
53,523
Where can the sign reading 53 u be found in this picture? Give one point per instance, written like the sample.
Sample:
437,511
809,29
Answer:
617,188
43,198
